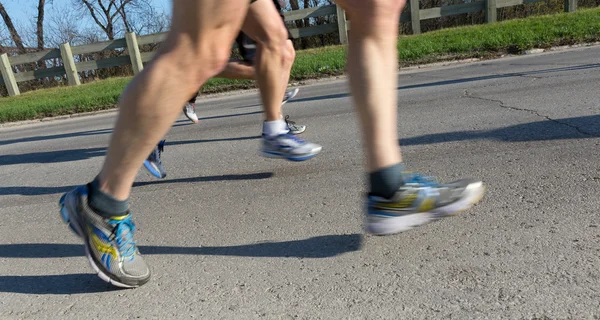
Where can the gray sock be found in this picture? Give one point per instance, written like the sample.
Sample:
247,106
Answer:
104,204
386,181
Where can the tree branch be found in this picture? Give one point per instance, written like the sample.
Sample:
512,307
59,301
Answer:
16,38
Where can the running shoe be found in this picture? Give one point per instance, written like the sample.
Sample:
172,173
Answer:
289,95
419,201
190,112
154,162
109,244
288,146
293,127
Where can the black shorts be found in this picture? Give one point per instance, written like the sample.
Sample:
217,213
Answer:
247,46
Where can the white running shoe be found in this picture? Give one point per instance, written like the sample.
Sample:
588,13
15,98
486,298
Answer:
190,112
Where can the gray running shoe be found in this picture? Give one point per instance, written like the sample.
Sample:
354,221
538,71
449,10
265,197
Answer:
109,244
419,201
293,127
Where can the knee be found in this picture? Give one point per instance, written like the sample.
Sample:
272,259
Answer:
206,63
274,38
197,62
289,54
216,59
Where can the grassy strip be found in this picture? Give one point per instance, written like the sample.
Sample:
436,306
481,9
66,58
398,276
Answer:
511,36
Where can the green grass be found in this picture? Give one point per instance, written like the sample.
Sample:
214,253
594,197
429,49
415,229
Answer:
511,36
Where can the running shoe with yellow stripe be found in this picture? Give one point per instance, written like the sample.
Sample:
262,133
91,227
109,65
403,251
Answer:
109,244
419,201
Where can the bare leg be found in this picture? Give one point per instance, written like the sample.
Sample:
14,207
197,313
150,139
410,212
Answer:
238,70
372,65
202,31
288,62
397,201
264,26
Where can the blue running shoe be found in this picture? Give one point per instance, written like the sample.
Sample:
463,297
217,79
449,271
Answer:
419,201
288,146
154,162
109,244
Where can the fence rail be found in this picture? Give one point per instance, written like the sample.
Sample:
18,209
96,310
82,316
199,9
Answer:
132,42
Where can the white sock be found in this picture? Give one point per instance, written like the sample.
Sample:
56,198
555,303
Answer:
274,128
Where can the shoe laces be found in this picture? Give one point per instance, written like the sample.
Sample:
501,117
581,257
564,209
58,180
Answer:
161,146
123,233
414,178
288,121
190,108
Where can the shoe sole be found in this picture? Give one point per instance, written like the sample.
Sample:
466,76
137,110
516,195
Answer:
277,155
404,223
192,120
153,171
68,218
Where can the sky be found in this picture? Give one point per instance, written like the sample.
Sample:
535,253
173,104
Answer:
24,12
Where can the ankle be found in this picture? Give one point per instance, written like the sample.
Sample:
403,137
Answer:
274,128
386,181
105,204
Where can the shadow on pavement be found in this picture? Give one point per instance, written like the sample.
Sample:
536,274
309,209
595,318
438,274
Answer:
56,136
52,156
569,128
178,123
315,247
35,191
55,284
88,153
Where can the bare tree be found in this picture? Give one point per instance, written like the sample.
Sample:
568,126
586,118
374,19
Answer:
106,13
63,28
145,19
40,24
16,38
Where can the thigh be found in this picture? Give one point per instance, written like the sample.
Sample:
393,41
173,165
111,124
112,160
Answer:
207,21
263,23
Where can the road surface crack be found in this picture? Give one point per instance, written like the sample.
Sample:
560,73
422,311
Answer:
470,95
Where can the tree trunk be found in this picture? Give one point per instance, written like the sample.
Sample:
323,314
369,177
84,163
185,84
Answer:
40,25
11,28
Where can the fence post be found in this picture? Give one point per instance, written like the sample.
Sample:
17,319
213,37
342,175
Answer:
415,18
70,69
342,25
134,52
8,76
570,5
491,11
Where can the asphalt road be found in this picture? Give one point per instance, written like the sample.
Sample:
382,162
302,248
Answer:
231,235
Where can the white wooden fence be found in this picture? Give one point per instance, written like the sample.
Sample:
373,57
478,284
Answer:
132,42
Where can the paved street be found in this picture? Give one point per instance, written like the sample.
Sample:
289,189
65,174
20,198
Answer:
231,235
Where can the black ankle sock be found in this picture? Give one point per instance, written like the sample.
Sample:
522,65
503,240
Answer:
385,182
104,204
